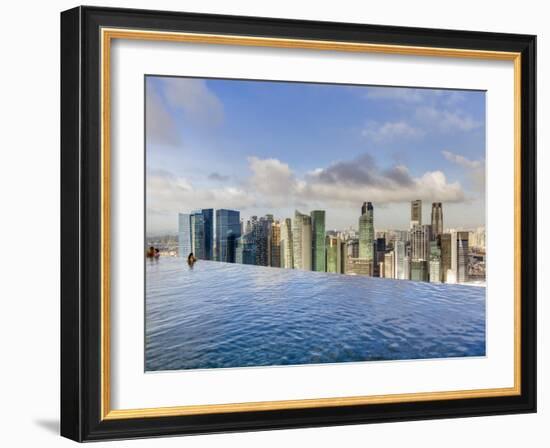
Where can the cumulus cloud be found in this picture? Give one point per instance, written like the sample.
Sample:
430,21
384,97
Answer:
194,98
347,182
461,160
273,185
353,181
168,193
475,168
397,130
271,175
168,98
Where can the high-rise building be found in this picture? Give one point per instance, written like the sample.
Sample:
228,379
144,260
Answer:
353,248
184,235
462,257
228,229
419,270
407,268
366,232
275,244
334,254
378,255
399,269
389,264
318,240
259,232
202,226
437,220
197,236
343,257
287,244
477,238
416,212
268,223
245,252
359,266
446,255
420,242
301,235
435,262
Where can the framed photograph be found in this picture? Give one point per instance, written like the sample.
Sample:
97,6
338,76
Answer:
273,223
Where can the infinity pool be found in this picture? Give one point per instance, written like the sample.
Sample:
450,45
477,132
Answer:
229,315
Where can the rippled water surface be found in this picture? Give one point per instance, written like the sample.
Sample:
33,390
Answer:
229,315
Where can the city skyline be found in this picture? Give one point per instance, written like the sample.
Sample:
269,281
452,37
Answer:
424,252
275,147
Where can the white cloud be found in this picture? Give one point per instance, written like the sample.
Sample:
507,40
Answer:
445,120
474,168
424,112
461,160
191,97
354,181
273,186
391,131
271,175
170,194
194,98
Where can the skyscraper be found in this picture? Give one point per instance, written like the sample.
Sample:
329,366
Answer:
275,244
334,254
228,229
245,252
184,235
301,235
389,264
359,266
420,242
206,220
287,244
318,240
462,257
446,255
399,270
197,236
366,232
416,212
379,250
435,262
259,232
419,270
437,220
353,248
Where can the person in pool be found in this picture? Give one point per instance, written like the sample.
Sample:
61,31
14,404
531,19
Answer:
150,253
191,259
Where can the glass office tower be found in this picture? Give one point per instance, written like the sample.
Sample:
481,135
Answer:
318,240
228,229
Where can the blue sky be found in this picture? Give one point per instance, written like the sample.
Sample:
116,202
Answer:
272,147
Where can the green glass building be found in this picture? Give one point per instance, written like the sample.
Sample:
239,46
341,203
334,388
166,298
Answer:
318,246
334,254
